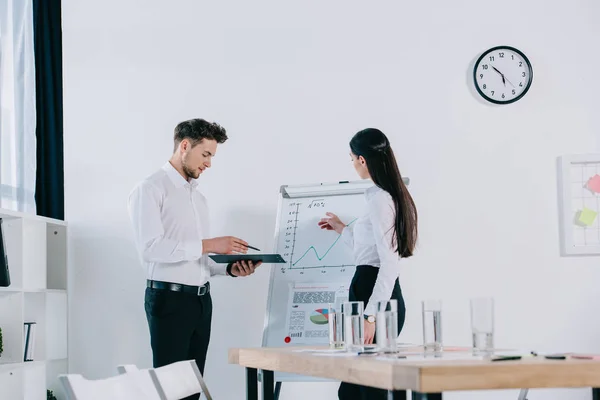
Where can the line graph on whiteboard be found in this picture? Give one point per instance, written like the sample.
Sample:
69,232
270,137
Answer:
304,245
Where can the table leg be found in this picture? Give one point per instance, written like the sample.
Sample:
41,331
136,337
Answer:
595,394
277,390
397,395
268,385
251,384
426,396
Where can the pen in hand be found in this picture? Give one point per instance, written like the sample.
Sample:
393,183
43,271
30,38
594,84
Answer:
253,248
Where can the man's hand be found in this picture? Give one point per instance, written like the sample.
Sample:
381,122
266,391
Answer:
369,332
244,268
224,245
332,223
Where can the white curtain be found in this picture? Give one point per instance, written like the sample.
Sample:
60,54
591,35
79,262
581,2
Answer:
17,107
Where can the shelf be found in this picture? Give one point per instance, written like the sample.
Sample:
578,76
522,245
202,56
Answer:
34,382
36,248
12,289
11,322
28,364
35,311
48,309
13,236
10,214
56,291
56,258
56,326
37,255
23,381
34,245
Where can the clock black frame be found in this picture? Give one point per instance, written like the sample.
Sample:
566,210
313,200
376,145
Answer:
529,68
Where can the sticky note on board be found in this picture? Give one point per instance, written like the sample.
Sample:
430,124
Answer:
593,183
587,216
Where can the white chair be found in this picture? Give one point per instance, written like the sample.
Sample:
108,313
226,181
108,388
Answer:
135,386
174,381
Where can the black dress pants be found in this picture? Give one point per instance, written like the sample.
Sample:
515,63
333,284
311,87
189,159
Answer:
361,289
179,327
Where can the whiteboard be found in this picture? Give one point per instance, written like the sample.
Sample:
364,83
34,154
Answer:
319,265
579,185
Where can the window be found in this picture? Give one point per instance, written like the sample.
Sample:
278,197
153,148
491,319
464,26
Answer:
17,107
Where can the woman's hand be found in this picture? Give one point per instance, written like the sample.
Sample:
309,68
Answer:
369,332
332,223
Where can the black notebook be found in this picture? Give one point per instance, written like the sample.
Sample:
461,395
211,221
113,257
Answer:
4,274
230,258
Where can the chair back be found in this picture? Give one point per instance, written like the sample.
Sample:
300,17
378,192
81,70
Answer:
179,380
134,386
174,381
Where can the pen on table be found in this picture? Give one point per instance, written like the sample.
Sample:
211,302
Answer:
551,356
506,358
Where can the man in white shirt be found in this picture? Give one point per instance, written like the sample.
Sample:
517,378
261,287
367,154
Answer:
171,224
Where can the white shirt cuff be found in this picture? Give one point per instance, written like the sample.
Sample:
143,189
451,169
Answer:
370,310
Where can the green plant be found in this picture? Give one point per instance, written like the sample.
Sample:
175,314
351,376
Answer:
50,395
1,348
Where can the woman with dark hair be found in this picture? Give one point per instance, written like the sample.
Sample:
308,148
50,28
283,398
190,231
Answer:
379,239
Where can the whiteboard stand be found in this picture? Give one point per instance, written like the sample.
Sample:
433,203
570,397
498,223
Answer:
319,266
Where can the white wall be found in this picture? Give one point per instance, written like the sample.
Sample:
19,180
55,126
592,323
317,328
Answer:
292,82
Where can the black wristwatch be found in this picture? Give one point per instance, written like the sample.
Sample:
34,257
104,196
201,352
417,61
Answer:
370,318
228,270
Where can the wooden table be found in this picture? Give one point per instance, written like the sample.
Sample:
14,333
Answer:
427,379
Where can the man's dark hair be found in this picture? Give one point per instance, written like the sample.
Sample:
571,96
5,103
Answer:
197,129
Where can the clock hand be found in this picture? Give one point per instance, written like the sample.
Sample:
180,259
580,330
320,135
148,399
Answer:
501,74
510,82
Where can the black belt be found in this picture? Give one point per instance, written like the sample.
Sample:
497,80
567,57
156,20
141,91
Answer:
178,287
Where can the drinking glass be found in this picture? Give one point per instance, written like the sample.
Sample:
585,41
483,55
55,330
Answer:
336,326
386,328
353,314
482,325
432,325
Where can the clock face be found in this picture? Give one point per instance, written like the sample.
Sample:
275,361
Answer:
502,75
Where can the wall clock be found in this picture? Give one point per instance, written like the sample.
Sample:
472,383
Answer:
502,75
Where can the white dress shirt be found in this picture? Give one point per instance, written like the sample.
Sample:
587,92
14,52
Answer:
170,219
370,237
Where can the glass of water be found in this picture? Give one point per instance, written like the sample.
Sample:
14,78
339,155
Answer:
482,325
432,325
386,325
336,326
353,314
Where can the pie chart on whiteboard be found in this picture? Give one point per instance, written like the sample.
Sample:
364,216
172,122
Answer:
319,317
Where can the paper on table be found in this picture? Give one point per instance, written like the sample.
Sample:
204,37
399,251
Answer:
328,352
319,351
584,356
347,354
420,357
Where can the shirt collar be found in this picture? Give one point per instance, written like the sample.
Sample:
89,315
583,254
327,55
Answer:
371,191
176,178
